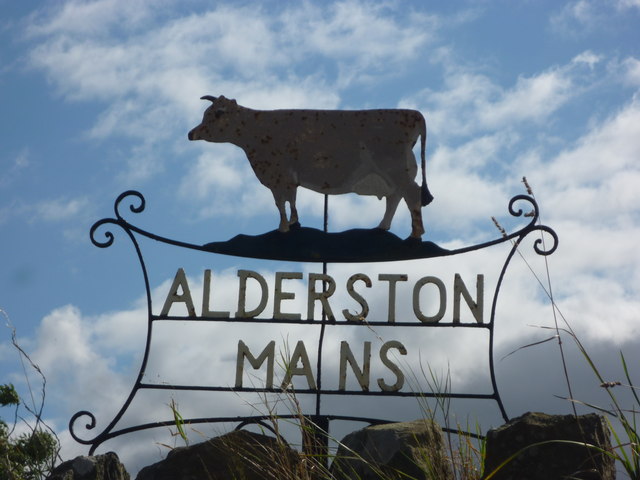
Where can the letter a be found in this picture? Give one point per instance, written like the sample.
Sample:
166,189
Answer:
299,355
180,281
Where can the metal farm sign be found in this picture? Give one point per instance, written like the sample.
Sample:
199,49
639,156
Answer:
368,152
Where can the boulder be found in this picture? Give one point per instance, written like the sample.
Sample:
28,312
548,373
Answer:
99,467
236,455
554,460
393,450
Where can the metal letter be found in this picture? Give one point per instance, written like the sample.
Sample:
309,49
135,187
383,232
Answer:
416,299
267,354
180,281
477,307
328,288
279,295
206,292
292,368
391,366
361,375
242,294
392,279
358,317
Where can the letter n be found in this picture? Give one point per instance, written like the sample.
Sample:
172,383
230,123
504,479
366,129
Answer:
267,354
477,307
362,375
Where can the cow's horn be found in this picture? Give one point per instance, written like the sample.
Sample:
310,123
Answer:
208,97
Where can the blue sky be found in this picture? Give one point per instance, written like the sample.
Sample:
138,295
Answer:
98,98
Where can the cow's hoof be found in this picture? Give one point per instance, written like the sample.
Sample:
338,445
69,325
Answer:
294,225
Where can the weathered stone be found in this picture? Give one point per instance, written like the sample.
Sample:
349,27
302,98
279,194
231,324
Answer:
99,467
554,460
393,450
236,455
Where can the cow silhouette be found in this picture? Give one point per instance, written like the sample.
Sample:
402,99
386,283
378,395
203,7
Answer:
367,152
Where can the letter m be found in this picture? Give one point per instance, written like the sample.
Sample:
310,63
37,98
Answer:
267,354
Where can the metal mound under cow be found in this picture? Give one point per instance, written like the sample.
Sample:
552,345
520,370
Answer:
367,152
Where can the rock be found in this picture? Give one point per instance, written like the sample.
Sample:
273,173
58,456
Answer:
554,460
235,455
99,467
393,450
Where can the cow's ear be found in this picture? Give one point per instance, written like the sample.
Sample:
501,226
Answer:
233,102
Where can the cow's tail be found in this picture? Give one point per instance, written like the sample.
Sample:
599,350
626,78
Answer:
427,198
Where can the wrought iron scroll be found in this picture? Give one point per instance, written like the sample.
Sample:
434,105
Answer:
136,204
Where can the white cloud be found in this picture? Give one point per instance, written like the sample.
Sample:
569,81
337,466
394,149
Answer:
632,74
238,47
19,163
60,209
359,35
471,103
582,16
576,15
594,180
67,345
588,195
90,18
533,98
626,4
215,172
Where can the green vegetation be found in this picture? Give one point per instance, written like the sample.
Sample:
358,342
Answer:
27,456
32,453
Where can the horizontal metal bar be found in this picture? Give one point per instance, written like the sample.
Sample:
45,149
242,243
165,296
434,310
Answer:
172,318
204,388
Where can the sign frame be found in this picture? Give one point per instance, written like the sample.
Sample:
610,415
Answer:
411,249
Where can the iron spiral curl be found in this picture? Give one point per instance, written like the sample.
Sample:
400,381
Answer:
89,426
519,212
539,244
136,207
108,234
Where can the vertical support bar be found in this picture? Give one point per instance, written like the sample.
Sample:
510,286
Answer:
319,442
315,441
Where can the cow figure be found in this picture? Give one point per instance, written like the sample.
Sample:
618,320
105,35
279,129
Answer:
368,152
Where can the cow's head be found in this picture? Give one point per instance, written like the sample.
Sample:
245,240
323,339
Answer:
216,120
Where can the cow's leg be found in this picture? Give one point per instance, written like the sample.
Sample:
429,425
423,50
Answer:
390,211
293,219
417,227
280,203
413,199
